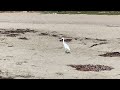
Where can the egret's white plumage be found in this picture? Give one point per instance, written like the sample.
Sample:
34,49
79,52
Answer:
67,48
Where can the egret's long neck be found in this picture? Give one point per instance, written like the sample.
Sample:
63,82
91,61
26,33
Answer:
63,40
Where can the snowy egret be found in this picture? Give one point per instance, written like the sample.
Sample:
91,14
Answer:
67,48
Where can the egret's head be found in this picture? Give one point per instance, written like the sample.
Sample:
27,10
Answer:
62,38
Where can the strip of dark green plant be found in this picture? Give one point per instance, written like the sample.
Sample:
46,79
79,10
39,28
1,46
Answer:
71,12
84,12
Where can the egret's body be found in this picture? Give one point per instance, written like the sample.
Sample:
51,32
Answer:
67,48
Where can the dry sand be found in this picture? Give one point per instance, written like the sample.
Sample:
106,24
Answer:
37,56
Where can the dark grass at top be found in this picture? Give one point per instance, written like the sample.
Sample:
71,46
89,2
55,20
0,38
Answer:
84,12
71,12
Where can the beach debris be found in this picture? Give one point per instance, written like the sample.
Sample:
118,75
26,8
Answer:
111,54
91,67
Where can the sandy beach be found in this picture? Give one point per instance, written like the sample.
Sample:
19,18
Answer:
30,46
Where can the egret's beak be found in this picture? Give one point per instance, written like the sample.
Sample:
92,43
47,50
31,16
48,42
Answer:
60,39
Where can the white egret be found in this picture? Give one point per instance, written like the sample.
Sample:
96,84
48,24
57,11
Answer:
67,48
